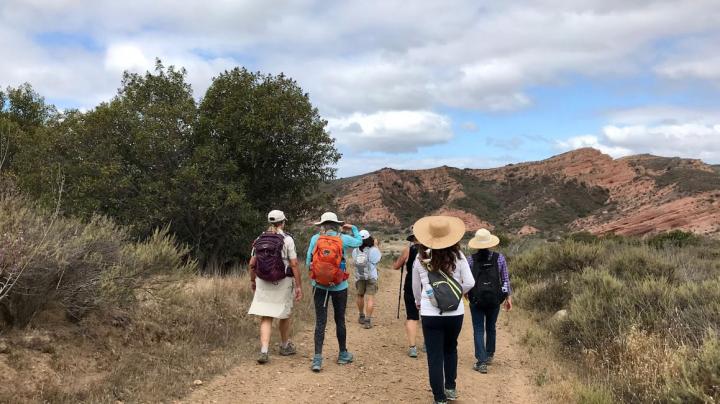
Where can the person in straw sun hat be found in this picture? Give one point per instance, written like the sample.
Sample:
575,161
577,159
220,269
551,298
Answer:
492,287
440,257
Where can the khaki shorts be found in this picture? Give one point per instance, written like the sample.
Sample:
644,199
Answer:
366,287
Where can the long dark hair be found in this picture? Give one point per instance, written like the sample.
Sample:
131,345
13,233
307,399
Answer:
368,242
442,259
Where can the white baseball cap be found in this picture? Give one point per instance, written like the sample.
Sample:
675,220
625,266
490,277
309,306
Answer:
364,234
276,216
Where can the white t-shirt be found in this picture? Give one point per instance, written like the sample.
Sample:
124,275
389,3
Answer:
462,274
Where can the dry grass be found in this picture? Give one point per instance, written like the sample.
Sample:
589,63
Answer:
152,355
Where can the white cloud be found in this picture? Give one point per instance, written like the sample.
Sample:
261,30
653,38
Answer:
595,142
391,131
121,57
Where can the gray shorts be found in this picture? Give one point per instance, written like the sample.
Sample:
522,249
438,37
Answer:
366,287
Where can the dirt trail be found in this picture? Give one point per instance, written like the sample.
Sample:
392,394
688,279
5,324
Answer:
382,372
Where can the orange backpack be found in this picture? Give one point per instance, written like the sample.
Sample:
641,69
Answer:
326,258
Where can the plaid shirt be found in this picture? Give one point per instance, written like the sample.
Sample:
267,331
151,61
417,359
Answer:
504,275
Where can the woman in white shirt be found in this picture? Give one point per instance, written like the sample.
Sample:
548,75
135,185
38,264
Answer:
440,251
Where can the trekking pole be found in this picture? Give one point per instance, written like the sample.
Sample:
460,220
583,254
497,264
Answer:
400,291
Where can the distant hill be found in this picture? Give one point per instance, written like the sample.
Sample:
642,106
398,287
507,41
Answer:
579,190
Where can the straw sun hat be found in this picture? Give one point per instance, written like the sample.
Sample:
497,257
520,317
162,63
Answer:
483,239
439,232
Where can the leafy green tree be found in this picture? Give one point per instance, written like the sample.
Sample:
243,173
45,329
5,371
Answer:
267,126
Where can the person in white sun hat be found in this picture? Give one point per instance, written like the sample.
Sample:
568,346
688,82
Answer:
492,288
366,259
328,271
275,281
441,276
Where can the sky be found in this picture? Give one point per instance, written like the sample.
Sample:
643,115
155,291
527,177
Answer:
410,84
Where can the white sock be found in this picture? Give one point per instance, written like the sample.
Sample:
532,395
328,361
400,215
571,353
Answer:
264,349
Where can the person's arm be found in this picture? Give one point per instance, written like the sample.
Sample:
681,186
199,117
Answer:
351,241
505,276
402,259
416,284
374,255
252,272
311,248
292,258
466,278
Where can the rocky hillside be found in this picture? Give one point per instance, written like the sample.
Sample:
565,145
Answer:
579,190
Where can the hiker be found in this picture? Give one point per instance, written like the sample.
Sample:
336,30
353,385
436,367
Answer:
326,261
441,276
492,287
275,281
406,260
366,258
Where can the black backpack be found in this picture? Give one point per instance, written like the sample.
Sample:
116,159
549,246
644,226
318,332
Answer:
487,292
446,290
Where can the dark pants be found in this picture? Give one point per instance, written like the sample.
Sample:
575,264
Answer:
339,302
483,321
441,335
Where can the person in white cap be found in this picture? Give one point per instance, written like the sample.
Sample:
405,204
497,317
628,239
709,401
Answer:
326,261
275,281
366,259
440,258
492,288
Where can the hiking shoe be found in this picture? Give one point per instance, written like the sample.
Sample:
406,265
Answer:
344,358
476,366
361,319
412,352
440,402
482,368
424,348
368,323
288,350
316,363
263,358
451,394
489,360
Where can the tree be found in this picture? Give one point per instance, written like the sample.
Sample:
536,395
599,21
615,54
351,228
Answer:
277,140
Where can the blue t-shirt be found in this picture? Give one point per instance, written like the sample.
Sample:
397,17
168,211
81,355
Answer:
348,241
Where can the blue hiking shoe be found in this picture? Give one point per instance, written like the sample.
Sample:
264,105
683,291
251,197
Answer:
316,363
344,358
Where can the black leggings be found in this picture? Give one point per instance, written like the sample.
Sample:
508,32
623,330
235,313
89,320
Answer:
339,302
441,335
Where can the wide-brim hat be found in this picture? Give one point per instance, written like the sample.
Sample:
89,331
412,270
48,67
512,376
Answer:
329,217
437,232
483,239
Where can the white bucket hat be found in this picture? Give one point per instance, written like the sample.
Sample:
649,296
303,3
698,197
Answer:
329,217
276,216
439,232
483,239
364,234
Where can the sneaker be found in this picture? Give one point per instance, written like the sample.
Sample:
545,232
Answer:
368,323
489,360
288,350
440,402
316,363
412,352
344,358
451,394
361,319
476,366
263,358
482,368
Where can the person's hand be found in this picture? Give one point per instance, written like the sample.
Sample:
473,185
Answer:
298,294
347,226
508,304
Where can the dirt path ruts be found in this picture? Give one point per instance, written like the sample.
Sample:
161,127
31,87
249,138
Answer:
382,372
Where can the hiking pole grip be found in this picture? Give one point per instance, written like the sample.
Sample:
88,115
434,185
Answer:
400,291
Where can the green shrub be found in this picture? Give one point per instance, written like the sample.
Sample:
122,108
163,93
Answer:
675,238
700,378
594,395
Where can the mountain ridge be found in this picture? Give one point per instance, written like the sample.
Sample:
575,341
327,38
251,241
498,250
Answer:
580,190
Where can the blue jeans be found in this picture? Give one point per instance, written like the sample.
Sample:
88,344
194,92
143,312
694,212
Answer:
483,321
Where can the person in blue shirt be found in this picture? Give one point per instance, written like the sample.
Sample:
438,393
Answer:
337,294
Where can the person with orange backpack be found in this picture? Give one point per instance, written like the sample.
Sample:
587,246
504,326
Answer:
328,273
